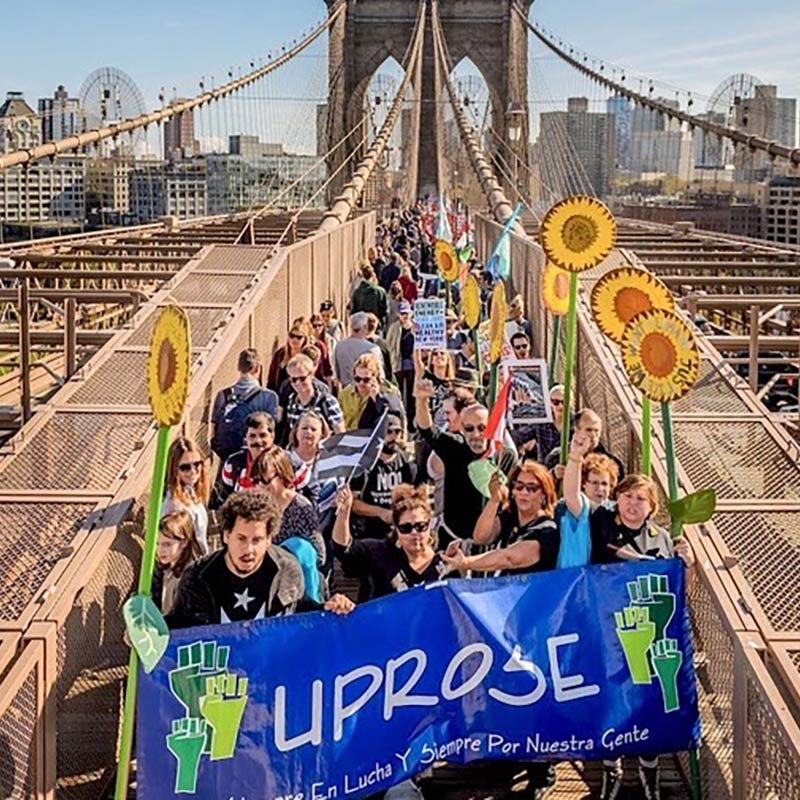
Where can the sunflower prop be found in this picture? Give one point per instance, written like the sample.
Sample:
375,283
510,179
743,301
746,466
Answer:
446,260
660,355
168,367
576,234
497,332
616,299
555,298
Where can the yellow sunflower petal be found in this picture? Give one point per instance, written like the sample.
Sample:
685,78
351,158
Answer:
168,366
622,294
497,318
660,355
471,302
446,259
555,289
578,233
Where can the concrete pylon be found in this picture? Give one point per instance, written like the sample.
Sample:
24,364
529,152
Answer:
490,32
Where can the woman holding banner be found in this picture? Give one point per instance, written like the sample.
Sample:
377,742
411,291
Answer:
406,559
522,525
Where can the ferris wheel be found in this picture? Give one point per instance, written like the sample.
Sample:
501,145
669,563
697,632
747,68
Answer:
739,102
110,95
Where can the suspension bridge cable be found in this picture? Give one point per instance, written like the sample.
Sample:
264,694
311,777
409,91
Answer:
771,148
344,204
501,208
72,143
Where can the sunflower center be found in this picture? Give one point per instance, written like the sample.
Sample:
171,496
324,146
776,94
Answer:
167,365
629,302
561,285
579,233
659,355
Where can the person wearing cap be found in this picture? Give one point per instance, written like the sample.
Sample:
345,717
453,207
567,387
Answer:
372,502
335,329
400,340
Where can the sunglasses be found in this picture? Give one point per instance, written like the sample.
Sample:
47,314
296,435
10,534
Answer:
419,527
298,378
359,379
472,428
394,430
318,325
297,336
532,488
192,465
556,402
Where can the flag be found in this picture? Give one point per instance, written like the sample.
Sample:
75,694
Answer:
500,262
497,425
443,230
346,455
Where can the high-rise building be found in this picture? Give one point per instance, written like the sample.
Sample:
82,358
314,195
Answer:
782,210
108,184
658,143
45,190
175,189
620,107
179,141
577,149
20,127
61,115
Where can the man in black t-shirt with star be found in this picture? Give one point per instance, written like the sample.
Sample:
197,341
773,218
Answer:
250,578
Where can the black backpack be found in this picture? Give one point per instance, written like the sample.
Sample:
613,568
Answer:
230,430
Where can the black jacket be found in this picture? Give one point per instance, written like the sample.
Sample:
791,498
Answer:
195,603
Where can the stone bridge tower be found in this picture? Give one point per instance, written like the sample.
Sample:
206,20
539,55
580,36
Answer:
489,32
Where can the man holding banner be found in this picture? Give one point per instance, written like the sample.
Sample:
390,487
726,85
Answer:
249,578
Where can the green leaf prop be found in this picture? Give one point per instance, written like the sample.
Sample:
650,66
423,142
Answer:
147,630
480,473
694,508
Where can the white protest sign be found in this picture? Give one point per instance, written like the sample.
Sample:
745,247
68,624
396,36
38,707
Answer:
430,327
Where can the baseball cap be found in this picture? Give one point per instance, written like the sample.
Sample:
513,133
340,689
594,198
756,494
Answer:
326,305
404,308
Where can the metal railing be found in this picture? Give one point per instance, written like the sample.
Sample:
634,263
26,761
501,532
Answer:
743,605
73,484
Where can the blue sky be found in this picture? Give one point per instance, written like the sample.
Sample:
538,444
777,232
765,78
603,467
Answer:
690,43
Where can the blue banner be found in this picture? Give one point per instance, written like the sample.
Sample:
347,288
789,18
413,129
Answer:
585,663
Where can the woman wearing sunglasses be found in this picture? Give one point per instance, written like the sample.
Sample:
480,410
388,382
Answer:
405,559
520,523
299,337
188,486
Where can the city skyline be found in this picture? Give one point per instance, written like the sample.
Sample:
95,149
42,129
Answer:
193,41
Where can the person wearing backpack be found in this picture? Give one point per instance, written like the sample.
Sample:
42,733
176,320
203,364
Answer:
233,405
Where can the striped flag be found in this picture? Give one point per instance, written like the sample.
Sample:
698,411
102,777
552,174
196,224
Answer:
346,455
497,426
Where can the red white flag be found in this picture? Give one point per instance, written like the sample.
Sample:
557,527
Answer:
497,426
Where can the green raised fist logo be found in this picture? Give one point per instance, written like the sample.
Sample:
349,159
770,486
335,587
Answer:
642,632
223,707
636,633
667,660
214,700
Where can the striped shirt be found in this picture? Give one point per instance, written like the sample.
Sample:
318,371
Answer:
324,403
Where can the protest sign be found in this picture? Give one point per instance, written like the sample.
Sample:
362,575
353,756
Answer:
430,328
585,663
529,398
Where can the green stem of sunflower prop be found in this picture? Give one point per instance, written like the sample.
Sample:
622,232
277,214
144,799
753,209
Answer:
672,478
647,427
448,294
554,349
145,586
478,360
493,384
569,359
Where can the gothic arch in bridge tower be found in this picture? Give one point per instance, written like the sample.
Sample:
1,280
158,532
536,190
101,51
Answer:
489,32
